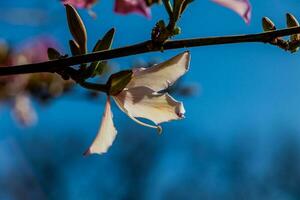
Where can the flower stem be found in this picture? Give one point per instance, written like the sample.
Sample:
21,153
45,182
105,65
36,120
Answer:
144,47
94,86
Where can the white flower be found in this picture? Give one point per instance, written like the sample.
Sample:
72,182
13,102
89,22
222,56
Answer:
143,97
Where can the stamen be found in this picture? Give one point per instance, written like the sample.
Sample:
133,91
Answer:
159,128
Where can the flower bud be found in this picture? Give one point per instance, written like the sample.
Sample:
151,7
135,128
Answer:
77,28
267,24
53,54
291,21
118,81
74,47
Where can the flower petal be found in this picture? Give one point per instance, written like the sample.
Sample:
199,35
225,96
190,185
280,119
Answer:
80,3
161,76
23,111
241,7
145,103
131,6
106,134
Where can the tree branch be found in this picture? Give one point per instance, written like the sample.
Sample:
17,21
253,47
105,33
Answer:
144,47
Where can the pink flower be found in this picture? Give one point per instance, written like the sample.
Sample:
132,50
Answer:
13,88
132,6
241,7
80,3
34,50
142,98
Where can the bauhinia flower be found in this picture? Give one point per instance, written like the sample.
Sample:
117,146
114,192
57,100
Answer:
241,7
15,89
132,6
80,3
143,97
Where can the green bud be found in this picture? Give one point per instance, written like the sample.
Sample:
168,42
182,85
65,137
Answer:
118,81
53,54
291,21
161,24
97,67
177,30
74,47
267,24
77,28
106,42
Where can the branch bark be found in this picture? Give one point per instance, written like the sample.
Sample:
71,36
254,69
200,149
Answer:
144,47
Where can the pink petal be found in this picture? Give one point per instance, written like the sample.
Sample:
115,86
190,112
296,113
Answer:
132,6
107,133
241,7
34,50
80,3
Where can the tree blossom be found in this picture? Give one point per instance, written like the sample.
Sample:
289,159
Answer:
80,3
241,7
143,97
130,6
13,89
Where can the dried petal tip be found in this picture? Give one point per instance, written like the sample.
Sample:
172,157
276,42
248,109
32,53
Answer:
159,129
180,110
87,152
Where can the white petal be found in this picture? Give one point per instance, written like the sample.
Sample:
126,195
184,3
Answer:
161,76
145,103
107,133
23,111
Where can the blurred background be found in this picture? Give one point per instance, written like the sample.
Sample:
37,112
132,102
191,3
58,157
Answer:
240,138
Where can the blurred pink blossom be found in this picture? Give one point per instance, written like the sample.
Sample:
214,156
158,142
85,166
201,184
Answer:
80,3
132,6
34,50
241,7
13,88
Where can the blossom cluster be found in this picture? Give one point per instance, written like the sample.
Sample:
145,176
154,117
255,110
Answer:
18,90
241,7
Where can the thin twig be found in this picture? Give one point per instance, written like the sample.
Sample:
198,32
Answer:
144,47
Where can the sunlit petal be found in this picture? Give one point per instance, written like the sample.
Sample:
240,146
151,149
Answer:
161,76
142,102
106,134
242,7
